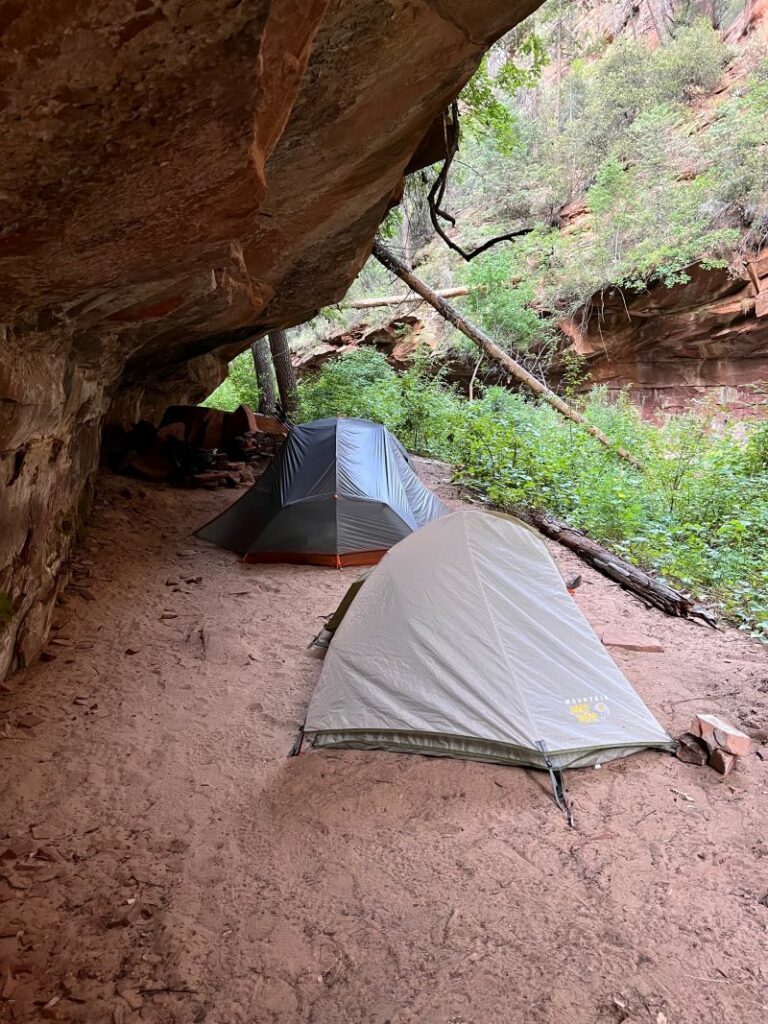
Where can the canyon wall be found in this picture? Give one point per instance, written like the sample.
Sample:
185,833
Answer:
175,177
706,339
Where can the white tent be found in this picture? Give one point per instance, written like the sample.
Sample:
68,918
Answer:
464,642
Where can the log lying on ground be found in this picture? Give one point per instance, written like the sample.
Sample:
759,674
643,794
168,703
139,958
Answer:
648,589
494,351
397,300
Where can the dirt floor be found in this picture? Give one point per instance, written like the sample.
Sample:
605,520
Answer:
191,872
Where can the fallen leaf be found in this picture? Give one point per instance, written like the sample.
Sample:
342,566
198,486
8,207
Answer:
685,796
131,995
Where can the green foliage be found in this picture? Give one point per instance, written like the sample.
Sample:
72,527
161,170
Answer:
691,64
414,405
698,515
239,388
6,608
485,99
620,125
500,304
737,150
360,384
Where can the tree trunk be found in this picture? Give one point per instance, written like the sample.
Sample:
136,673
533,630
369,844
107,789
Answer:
262,364
648,589
399,300
286,376
497,354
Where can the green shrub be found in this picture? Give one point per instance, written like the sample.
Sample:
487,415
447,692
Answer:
239,388
698,515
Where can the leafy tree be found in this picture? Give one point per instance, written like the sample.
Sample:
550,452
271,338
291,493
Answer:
239,388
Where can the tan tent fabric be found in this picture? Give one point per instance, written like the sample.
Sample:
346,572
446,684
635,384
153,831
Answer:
463,641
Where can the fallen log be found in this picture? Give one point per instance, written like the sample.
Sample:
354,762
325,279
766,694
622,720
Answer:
397,300
653,591
494,351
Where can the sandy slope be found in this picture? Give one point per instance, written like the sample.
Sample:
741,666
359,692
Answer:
343,886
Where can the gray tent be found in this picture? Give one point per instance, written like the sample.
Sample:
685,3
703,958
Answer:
341,492
464,642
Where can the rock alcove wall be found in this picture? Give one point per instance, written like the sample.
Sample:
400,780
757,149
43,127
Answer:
175,176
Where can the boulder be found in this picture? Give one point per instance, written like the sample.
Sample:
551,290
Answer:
719,734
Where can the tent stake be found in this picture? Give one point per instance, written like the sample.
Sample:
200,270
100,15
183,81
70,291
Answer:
558,785
297,743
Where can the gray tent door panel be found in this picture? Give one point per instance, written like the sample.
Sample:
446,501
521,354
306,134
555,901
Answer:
308,462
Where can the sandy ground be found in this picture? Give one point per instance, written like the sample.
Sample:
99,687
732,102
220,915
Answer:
194,873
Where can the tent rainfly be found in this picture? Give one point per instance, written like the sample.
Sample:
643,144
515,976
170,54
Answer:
464,642
341,492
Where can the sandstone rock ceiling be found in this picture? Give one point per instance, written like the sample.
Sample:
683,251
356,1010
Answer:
175,175
175,169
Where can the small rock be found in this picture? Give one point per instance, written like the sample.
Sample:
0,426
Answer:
631,641
15,881
74,988
47,875
48,853
717,733
52,1010
692,749
131,650
16,848
722,761
29,720
7,981
125,916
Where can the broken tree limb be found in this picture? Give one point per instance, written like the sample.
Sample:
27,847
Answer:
652,591
511,367
398,300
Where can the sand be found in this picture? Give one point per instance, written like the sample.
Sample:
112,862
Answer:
195,873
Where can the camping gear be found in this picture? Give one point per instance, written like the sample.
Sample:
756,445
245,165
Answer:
464,642
341,492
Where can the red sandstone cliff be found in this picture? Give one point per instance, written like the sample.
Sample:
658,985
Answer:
174,175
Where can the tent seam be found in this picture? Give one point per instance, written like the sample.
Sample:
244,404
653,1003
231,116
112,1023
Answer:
512,673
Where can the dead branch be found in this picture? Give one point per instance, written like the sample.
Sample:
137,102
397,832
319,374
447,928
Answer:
398,300
653,591
511,367
437,193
